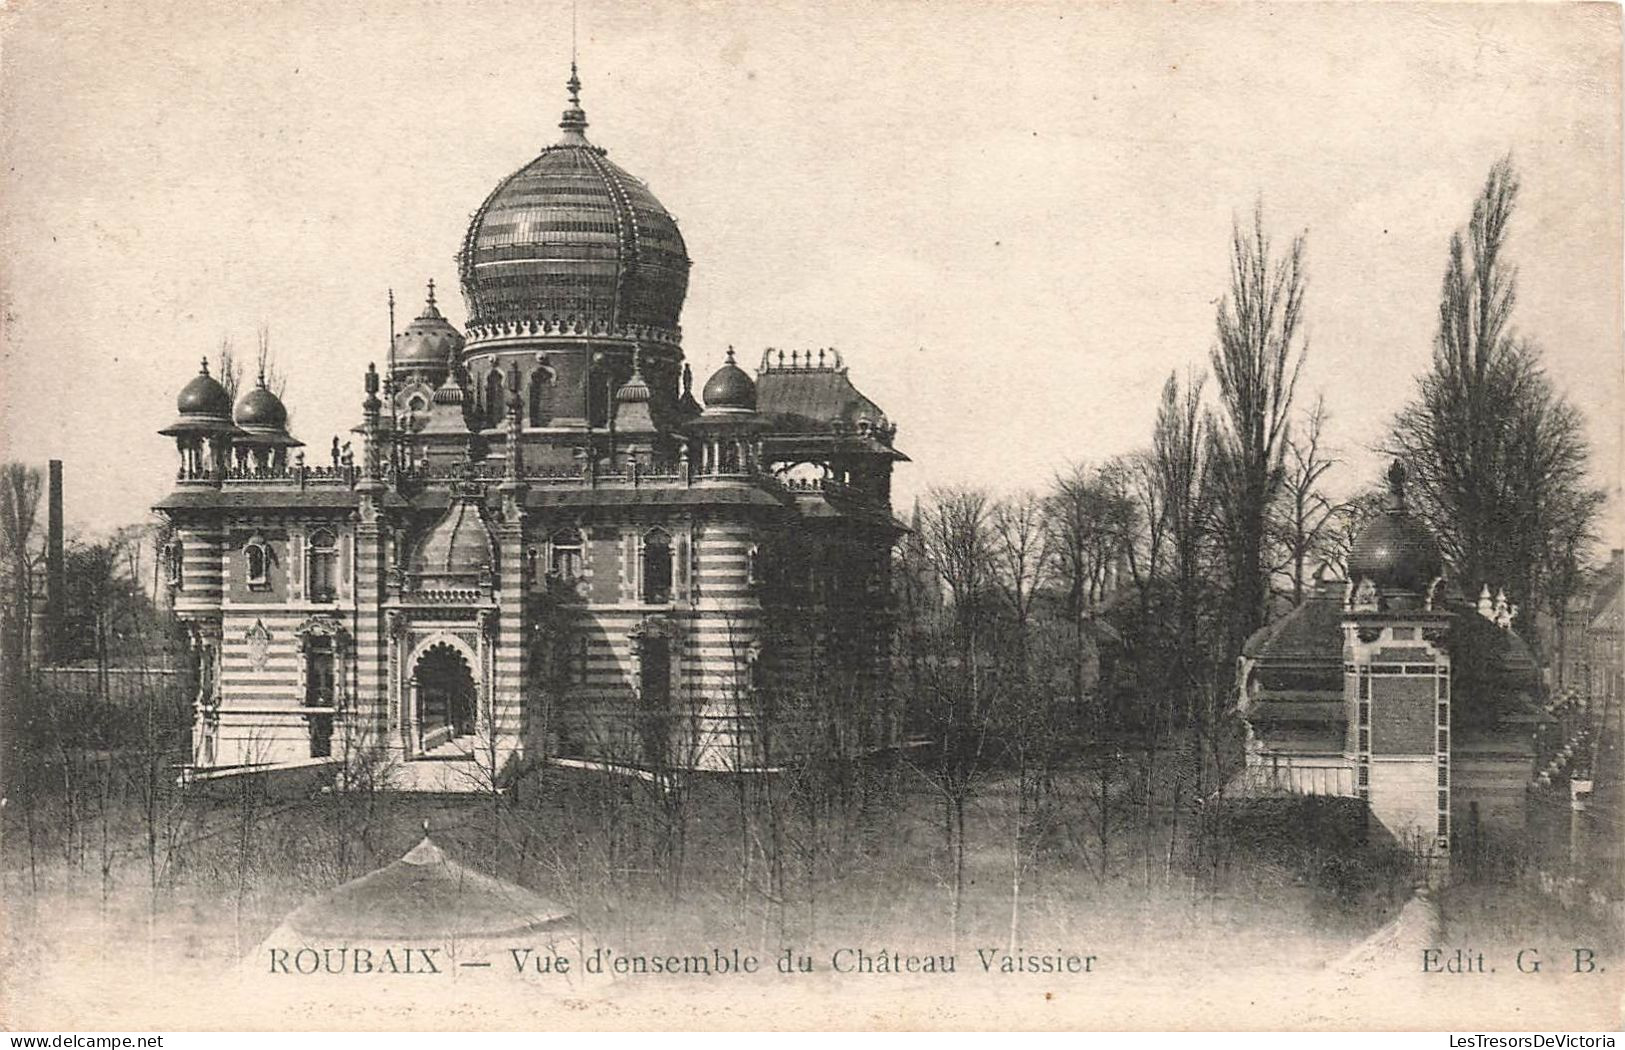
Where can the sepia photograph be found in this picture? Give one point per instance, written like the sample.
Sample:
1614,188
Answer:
814,516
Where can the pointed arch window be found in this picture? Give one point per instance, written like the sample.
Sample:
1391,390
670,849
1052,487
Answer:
656,566
322,566
257,564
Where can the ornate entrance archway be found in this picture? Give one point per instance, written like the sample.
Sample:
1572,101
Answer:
446,695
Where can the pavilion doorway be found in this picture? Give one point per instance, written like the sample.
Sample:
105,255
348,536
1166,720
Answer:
446,697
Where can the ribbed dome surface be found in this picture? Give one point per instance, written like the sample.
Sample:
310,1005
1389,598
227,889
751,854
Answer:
429,341
458,547
574,238
1394,550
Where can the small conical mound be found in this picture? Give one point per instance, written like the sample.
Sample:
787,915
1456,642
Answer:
425,895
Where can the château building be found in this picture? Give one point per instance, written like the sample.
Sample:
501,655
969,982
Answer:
546,545
1391,688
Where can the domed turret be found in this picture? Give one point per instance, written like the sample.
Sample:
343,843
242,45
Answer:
428,343
730,389
572,242
262,420
262,409
1394,550
203,407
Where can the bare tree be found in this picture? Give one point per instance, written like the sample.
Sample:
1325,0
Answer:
1256,358
228,370
1021,555
1304,515
19,508
958,544
1497,458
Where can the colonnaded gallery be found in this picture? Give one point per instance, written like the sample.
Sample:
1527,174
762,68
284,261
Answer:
544,544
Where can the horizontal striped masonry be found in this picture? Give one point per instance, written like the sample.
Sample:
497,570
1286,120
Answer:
202,569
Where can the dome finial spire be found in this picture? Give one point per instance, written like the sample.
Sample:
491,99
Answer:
575,118
1396,485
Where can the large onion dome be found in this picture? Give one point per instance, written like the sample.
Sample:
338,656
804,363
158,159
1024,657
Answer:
1394,550
457,551
429,342
571,242
203,407
730,388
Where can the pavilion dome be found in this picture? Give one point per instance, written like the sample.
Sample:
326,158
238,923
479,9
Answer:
261,408
430,341
573,242
203,407
730,387
204,396
1393,550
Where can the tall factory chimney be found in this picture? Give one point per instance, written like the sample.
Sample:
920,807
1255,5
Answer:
56,574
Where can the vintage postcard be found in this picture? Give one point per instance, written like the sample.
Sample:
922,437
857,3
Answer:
601,514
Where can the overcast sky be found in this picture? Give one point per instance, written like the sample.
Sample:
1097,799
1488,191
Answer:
1011,219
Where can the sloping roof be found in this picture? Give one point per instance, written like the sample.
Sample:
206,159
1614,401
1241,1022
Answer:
1311,632
812,399
271,497
425,894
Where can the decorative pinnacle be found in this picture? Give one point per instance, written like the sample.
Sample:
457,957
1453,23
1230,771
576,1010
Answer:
575,118
730,354
205,363
431,291
1396,483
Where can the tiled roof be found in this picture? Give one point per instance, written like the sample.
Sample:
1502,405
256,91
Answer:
812,399
1311,632
335,497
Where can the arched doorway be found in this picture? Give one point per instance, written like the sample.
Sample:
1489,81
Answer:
446,696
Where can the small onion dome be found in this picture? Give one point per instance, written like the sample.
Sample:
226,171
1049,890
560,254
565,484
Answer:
263,418
458,549
1394,550
203,407
730,389
428,342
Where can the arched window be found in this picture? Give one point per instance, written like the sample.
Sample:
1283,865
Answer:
656,566
541,397
256,561
753,566
495,398
566,556
174,561
323,564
